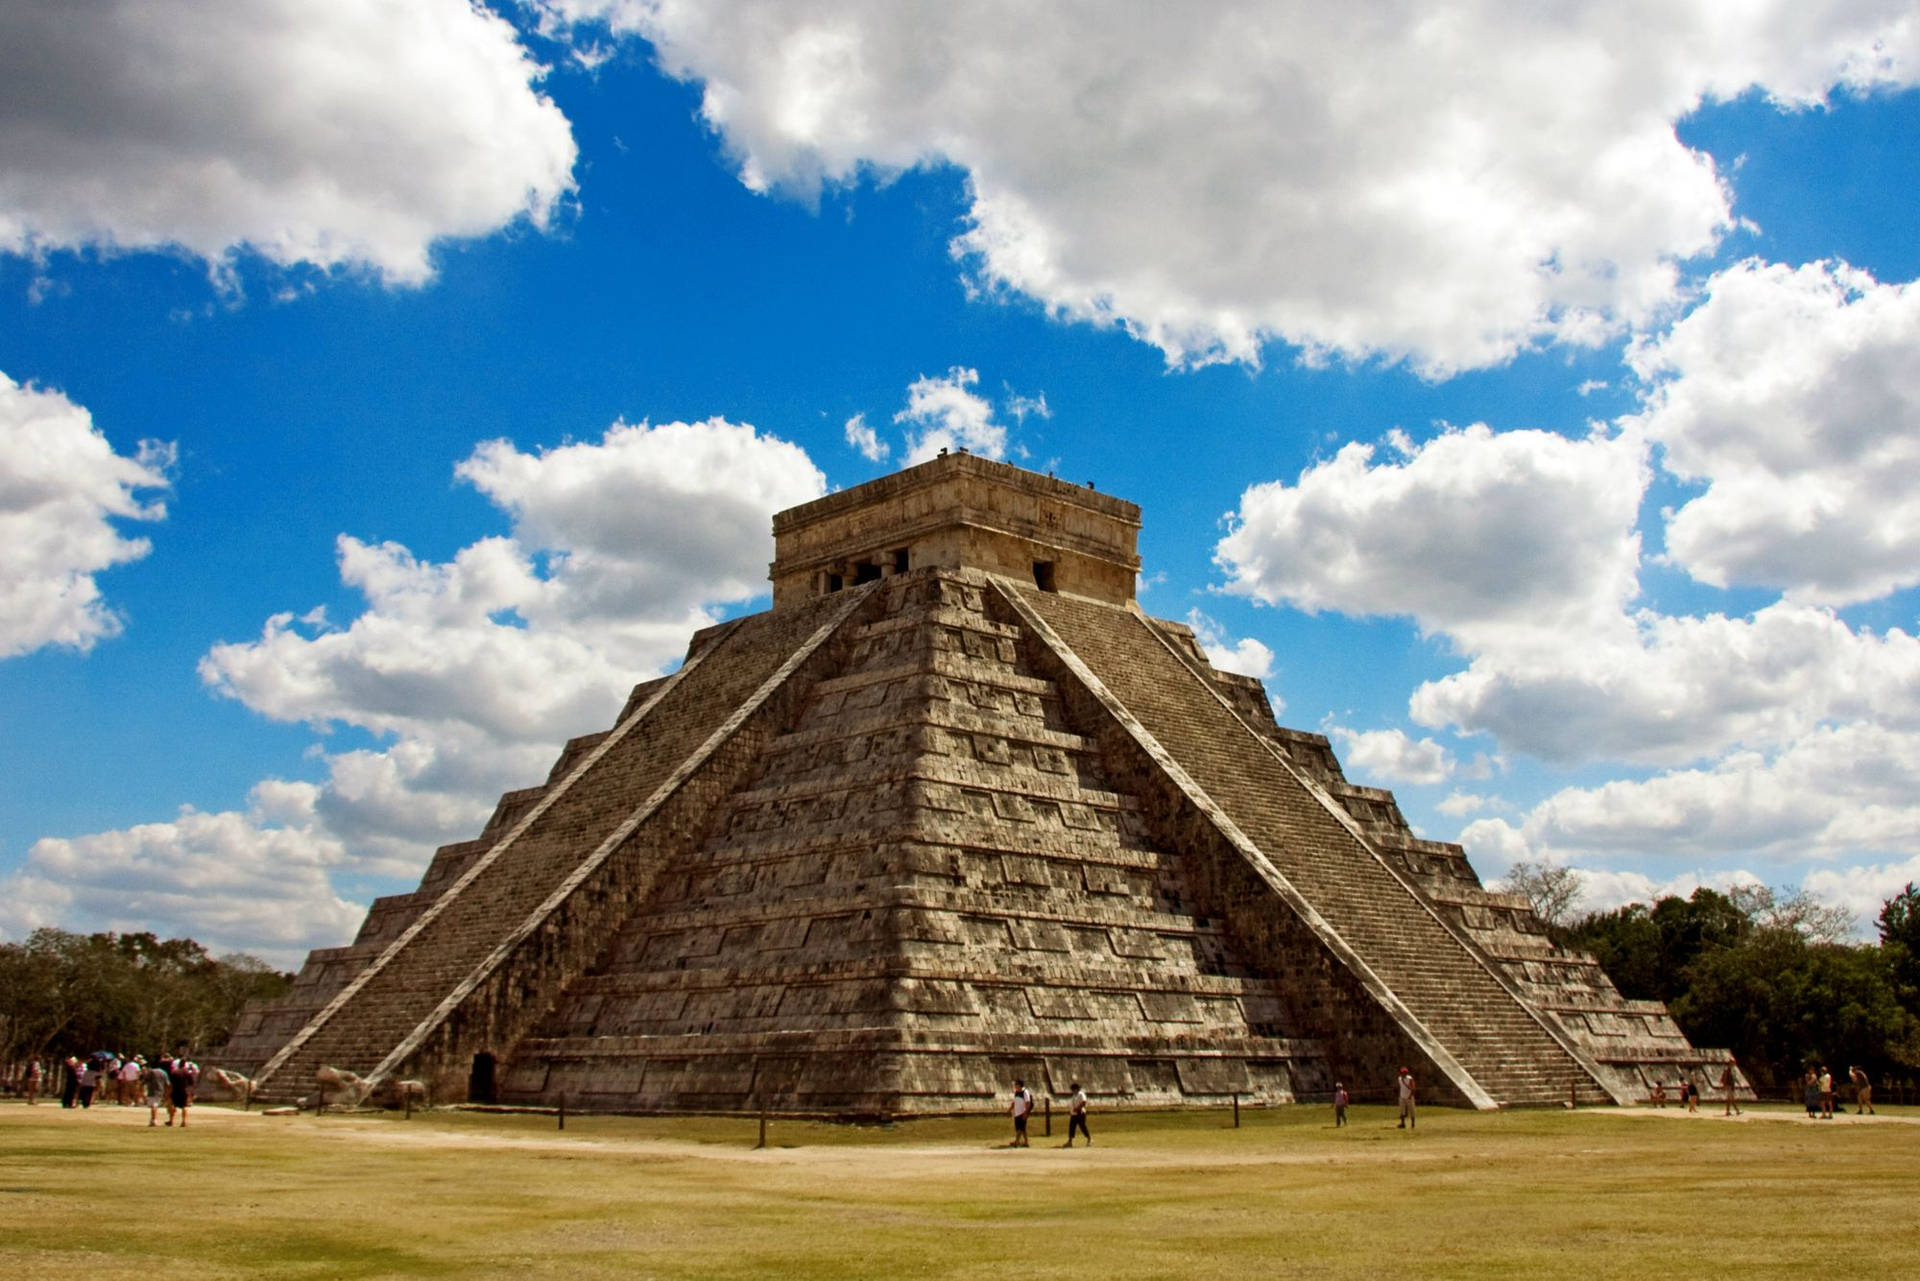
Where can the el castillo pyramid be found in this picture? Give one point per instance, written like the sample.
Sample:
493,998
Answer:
952,811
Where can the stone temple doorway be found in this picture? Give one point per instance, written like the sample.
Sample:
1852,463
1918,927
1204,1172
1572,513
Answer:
480,1086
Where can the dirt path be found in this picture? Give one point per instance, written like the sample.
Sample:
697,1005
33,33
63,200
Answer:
1368,1144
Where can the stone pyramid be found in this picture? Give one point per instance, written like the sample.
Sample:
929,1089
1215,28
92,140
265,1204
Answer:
955,811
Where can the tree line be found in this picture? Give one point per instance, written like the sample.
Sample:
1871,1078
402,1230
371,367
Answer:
67,994
1769,974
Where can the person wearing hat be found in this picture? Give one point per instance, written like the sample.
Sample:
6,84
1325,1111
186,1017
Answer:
1408,1091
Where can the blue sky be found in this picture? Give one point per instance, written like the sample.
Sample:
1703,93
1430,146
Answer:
1528,398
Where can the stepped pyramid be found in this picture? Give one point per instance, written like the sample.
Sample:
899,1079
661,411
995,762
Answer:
955,811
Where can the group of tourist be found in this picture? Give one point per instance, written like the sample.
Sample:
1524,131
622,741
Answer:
1817,1092
128,1080
1021,1108
1688,1092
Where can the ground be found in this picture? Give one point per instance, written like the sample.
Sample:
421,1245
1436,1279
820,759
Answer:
1538,1194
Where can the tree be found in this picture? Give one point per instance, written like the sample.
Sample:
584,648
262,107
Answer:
1900,942
1553,891
1646,951
1768,908
1782,1003
63,993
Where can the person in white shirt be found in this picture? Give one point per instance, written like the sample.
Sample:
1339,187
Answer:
1077,1116
1408,1117
1022,1108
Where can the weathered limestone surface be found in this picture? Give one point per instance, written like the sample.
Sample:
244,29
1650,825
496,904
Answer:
954,812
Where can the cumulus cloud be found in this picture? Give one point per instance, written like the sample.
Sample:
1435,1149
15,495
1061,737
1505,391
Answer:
256,880
946,413
480,667
1794,395
1506,541
1247,656
1391,756
1830,793
865,440
1459,804
470,674
352,133
1677,688
62,487
1377,175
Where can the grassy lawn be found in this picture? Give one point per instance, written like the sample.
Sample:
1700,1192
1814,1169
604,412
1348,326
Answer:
1530,1194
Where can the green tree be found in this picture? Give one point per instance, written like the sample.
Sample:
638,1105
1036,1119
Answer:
63,993
1900,941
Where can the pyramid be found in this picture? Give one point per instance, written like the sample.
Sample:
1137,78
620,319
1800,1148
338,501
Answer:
955,811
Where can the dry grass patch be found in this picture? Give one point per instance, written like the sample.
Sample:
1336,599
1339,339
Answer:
1533,1194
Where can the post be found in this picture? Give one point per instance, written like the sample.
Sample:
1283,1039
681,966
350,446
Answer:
563,1111
1047,1116
1236,1109
763,1124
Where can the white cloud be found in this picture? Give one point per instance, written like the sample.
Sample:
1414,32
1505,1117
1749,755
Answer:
1389,756
1506,541
255,881
351,133
1666,689
1794,393
472,672
1459,804
1827,795
945,413
865,440
1863,891
1246,656
1376,174
61,488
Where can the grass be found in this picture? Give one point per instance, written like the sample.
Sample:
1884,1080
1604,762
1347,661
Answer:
1525,1194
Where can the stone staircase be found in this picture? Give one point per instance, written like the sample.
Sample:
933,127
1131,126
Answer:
1450,991
465,947
926,888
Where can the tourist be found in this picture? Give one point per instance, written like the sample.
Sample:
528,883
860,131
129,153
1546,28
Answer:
1659,1095
127,1080
69,1081
1810,1093
30,1083
1077,1116
1409,1117
1691,1092
1021,1109
1726,1088
1339,1105
1862,1092
159,1090
1826,1093
89,1082
185,1074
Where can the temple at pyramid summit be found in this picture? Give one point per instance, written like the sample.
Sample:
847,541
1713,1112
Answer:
954,811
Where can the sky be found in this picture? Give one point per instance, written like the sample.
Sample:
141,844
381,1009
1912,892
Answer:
1528,394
